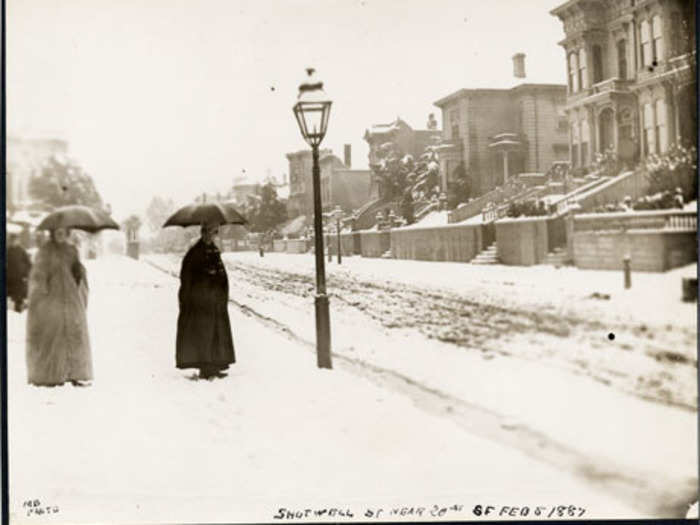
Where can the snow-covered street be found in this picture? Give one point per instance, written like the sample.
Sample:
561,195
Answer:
441,426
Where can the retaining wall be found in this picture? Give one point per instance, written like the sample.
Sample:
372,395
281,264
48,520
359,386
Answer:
374,243
522,242
457,242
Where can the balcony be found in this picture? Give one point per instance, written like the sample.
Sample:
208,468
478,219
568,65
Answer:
605,88
611,85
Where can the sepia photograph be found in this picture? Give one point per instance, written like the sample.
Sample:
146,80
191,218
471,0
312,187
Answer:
350,261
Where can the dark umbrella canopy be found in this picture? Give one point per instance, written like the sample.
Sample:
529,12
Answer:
213,212
78,217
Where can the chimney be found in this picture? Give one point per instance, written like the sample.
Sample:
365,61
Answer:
519,65
348,156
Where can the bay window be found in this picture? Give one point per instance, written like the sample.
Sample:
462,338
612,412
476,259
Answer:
645,55
657,38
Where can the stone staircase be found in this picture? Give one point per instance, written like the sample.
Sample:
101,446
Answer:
487,256
558,257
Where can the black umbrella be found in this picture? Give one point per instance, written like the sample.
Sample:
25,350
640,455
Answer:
211,212
78,217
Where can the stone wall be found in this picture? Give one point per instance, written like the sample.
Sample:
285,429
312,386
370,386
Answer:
522,242
346,244
650,251
655,240
296,246
456,243
279,245
375,243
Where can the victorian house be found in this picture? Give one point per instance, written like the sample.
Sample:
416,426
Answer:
408,141
631,76
497,133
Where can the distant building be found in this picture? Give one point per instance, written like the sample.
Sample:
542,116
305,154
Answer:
340,184
631,76
408,140
498,133
25,159
300,200
211,197
329,164
242,191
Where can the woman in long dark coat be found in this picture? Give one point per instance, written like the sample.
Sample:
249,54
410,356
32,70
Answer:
203,328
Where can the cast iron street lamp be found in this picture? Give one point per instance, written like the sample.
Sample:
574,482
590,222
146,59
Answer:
311,111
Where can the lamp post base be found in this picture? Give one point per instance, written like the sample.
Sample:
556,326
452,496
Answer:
323,332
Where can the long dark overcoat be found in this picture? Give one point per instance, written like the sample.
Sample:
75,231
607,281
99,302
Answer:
203,326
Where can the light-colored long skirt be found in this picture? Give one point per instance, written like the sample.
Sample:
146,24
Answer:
58,343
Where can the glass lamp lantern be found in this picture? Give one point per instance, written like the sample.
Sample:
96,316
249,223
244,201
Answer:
312,109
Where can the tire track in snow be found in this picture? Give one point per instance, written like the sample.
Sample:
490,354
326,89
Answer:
453,318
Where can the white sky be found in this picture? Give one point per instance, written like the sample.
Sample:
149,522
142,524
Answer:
173,97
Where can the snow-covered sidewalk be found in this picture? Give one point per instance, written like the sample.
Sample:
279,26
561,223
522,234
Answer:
146,443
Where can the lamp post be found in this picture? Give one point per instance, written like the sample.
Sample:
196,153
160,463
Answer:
338,215
311,111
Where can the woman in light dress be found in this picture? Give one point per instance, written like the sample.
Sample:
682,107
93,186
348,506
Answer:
58,344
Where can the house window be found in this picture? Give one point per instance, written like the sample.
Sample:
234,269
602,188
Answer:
585,137
648,118
597,64
573,69
622,59
677,36
582,80
644,44
657,39
660,135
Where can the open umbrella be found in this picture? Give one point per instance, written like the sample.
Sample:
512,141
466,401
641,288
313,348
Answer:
78,217
211,212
